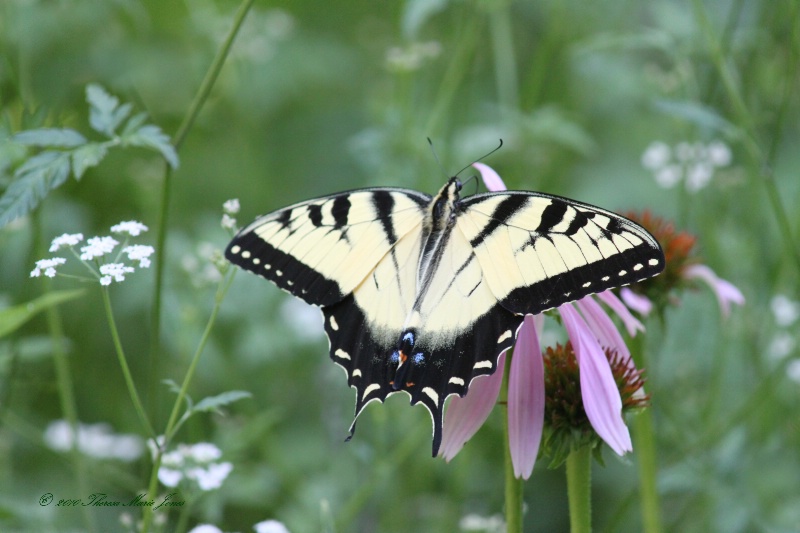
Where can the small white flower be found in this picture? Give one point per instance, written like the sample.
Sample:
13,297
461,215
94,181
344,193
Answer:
94,440
139,252
231,207
719,154
173,459
66,239
169,477
781,345
131,227
786,311
668,176
698,176
204,452
205,528
228,222
656,155
114,270
270,526
211,477
48,266
97,247
793,370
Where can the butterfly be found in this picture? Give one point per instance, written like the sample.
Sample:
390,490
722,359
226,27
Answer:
422,294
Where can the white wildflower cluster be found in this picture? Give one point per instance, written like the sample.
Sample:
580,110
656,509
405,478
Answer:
196,464
47,266
94,254
693,163
204,265
411,57
93,440
267,526
131,227
485,524
230,208
786,313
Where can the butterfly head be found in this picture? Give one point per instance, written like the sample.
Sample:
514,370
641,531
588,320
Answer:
445,204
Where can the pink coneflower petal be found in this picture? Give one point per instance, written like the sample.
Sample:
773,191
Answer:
601,399
466,415
638,302
725,291
603,328
490,178
526,399
631,323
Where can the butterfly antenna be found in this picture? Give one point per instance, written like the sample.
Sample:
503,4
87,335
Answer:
436,157
481,158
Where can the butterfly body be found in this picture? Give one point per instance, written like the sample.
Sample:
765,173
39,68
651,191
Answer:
422,294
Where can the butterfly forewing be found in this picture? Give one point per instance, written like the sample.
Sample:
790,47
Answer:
539,251
321,249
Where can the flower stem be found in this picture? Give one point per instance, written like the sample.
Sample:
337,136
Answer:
123,363
761,162
513,492
644,437
161,237
222,289
506,77
579,489
66,397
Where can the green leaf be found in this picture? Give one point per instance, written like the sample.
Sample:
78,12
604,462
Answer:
697,114
63,137
133,124
87,156
105,113
151,136
212,403
13,318
34,179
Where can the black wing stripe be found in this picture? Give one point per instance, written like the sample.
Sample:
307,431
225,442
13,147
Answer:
502,213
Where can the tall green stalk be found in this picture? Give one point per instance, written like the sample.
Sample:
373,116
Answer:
66,388
760,162
166,186
644,439
123,363
579,489
172,424
66,396
513,490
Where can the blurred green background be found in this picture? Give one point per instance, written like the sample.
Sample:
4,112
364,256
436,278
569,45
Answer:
320,97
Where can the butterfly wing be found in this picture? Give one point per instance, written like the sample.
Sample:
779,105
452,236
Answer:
539,251
320,250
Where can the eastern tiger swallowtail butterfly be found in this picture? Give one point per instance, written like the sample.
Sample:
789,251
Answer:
422,294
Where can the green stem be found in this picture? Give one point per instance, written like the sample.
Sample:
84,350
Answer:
66,388
194,110
513,492
455,73
66,396
504,62
644,437
222,289
123,363
646,456
579,489
761,163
